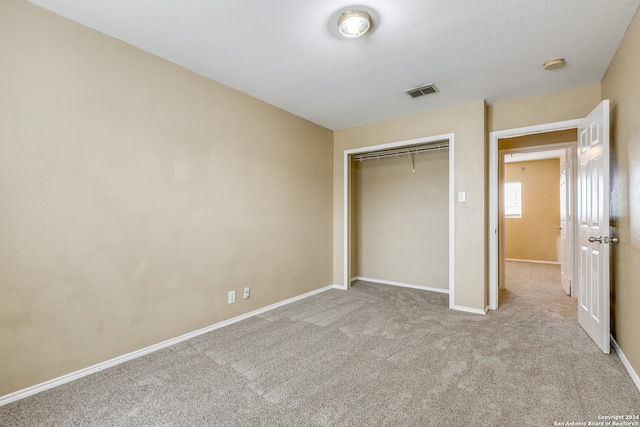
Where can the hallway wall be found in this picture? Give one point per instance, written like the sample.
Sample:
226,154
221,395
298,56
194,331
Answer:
534,236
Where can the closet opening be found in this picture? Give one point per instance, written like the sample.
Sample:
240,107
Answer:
398,201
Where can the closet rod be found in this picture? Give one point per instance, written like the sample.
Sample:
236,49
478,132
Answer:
400,151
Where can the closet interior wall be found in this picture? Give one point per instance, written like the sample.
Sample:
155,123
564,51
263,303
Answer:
401,219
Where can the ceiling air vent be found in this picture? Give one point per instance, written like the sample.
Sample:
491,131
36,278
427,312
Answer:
422,90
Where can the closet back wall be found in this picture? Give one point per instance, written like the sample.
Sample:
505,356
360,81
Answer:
402,219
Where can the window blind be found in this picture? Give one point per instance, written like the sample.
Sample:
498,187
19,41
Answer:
513,199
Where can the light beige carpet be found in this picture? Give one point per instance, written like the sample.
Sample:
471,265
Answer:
373,356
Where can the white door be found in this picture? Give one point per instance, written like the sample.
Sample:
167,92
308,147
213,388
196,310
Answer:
593,225
564,248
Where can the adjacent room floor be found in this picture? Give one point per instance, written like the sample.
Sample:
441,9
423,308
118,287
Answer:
374,355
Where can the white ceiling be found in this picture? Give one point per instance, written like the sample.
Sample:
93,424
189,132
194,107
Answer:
289,54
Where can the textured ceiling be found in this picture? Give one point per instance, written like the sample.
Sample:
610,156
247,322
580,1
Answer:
289,54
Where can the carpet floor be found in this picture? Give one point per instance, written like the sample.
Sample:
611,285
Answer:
376,355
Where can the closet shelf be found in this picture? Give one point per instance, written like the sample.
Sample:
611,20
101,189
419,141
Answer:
396,152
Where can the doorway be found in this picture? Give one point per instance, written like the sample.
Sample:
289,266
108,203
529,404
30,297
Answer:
537,200
496,250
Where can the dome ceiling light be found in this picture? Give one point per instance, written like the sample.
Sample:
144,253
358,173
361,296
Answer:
553,64
354,23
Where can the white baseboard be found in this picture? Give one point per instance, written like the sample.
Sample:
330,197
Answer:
469,309
632,373
404,285
341,287
535,261
20,394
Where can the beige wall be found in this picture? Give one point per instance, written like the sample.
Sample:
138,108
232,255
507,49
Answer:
622,85
534,236
549,108
467,122
134,194
401,219
532,140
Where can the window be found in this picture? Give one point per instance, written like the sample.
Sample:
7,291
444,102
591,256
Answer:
513,200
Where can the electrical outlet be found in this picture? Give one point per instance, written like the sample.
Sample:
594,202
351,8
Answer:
231,297
245,293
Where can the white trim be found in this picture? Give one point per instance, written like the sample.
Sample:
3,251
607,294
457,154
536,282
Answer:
632,373
21,394
493,193
469,309
346,258
346,186
534,261
452,222
401,284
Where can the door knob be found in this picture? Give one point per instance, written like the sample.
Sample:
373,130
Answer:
593,239
614,240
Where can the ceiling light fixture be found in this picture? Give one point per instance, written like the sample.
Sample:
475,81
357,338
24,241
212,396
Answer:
354,23
553,64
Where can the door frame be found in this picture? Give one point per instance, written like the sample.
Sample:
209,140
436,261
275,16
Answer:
494,212
347,203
